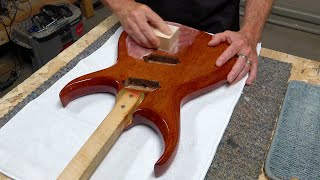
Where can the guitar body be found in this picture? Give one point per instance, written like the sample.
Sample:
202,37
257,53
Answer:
173,78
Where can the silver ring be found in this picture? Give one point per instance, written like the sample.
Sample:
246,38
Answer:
249,62
243,56
246,58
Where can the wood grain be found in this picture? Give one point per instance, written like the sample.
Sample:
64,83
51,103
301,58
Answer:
86,7
3,177
196,74
302,69
100,142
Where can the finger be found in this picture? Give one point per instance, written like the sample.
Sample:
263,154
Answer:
138,36
236,69
242,74
136,39
253,73
129,28
131,33
217,39
148,33
231,51
157,22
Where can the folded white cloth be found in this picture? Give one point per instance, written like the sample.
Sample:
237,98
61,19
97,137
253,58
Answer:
43,137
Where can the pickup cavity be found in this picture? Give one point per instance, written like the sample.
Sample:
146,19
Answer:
161,59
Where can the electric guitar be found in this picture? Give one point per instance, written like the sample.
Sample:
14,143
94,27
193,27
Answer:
150,86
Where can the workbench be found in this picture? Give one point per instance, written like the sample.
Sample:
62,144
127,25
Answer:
301,69
86,7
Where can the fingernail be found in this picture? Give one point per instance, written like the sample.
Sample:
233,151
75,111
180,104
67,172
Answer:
230,78
212,43
249,83
218,62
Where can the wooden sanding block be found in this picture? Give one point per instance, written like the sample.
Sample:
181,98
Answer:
168,41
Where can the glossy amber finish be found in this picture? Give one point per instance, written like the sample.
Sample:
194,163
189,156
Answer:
196,74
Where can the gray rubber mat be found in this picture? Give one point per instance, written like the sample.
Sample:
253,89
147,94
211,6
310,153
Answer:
295,149
244,146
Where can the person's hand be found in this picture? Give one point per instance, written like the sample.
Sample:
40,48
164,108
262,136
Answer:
138,19
242,45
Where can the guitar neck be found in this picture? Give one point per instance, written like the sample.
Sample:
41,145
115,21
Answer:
100,142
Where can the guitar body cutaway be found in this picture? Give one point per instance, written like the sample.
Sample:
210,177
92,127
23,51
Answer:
175,78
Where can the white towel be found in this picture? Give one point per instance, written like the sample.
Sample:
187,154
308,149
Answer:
43,137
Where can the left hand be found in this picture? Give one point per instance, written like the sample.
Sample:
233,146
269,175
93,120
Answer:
244,46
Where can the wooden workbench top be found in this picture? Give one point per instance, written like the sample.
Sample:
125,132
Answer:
302,69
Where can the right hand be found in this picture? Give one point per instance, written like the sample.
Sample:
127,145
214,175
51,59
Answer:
138,19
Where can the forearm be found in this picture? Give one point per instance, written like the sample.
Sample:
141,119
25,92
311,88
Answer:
255,16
